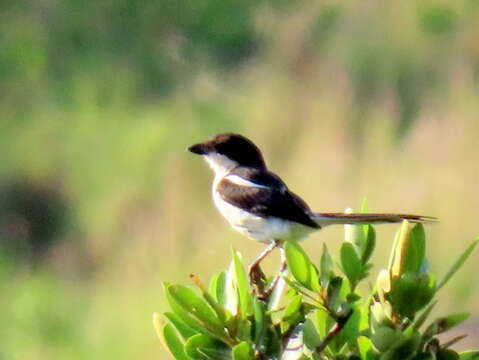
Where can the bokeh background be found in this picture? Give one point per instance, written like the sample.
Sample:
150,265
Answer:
100,202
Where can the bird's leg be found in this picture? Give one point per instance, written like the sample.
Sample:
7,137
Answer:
256,275
282,270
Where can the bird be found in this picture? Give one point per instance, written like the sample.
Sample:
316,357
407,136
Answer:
257,203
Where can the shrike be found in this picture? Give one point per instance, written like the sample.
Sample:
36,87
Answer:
258,204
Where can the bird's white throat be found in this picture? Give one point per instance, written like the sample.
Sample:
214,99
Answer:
220,164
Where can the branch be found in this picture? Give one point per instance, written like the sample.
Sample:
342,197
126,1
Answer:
335,330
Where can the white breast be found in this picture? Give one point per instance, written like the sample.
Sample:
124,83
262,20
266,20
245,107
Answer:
252,226
256,227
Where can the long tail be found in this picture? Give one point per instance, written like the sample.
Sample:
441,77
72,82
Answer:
324,219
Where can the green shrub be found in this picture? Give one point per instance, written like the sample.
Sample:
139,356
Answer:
318,311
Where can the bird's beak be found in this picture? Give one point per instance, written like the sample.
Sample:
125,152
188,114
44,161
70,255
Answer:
200,149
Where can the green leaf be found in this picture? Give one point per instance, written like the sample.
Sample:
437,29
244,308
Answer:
334,292
415,251
363,309
457,265
408,251
242,351
385,338
196,307
408,346
217,287
350,330
311,336
243,331
354,235
411,292
365,348
447,354
405,349
323,322
443,324
183,328
245,302
203,347
423,317
174,343
352,297
293,307
300,266
184,315
364,208
274,344
370,243
296,287
351,263
292,313
469,355
218,309
326,266
419,237
260,323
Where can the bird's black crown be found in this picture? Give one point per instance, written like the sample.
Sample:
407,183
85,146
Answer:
234,146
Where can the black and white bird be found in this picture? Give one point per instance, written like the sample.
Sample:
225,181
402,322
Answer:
258,204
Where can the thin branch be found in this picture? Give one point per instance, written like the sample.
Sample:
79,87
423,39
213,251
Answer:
453,341
335,330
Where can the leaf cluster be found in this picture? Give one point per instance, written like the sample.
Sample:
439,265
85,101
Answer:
317,311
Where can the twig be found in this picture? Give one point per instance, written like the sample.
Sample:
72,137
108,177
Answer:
340,322
453,341
256,275
282,270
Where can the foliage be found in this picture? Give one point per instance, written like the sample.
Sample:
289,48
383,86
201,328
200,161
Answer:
322,313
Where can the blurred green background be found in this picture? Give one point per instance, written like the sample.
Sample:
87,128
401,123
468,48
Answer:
100,202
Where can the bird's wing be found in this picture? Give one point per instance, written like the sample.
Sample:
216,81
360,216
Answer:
264,194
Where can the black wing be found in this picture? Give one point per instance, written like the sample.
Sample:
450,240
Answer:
270,197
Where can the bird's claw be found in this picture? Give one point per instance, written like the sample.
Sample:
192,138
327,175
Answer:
257,280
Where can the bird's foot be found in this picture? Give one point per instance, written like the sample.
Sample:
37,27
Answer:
257,280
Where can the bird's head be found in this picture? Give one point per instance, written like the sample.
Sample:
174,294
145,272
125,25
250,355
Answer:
226,151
